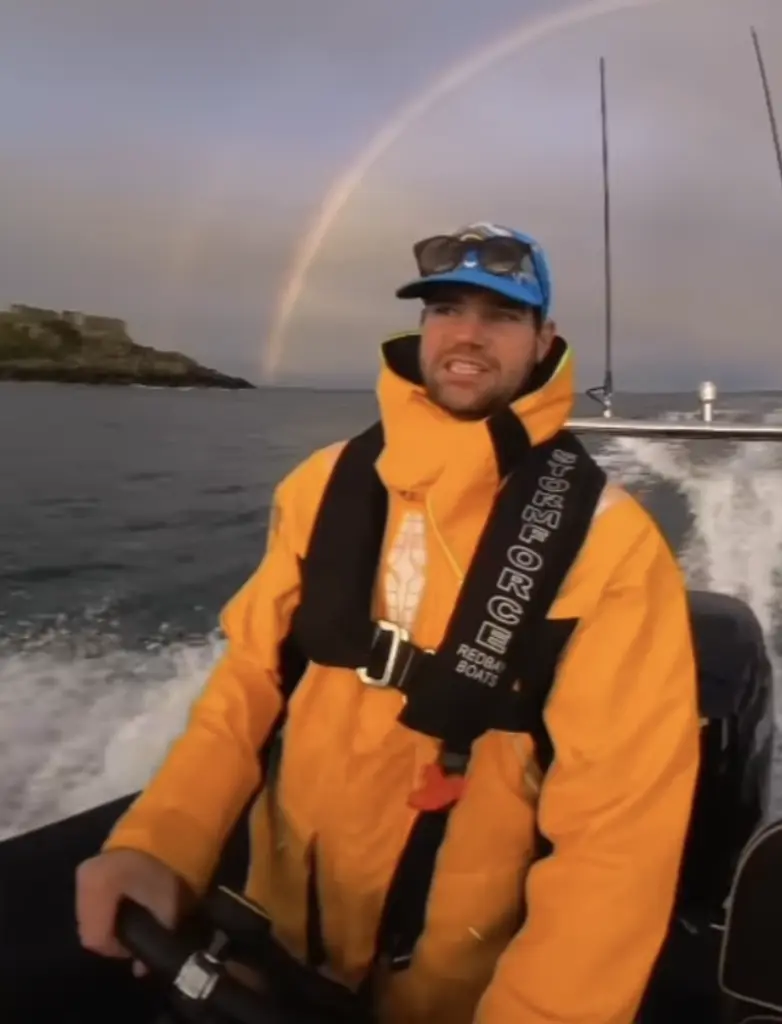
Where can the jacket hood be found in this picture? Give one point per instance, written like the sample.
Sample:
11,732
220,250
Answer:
423,442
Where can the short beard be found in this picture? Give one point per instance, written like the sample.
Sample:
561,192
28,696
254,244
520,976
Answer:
492,404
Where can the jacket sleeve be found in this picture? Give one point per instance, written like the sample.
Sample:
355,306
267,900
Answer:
185,814
615,805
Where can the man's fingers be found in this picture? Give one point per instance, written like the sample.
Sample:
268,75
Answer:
96,908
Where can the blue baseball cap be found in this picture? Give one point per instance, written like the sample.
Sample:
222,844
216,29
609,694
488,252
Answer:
530,285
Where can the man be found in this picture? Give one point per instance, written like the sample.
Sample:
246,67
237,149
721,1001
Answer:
554,883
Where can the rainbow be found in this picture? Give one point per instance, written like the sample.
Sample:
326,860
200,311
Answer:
342,190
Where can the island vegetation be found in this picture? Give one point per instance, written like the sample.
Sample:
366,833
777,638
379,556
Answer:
80,348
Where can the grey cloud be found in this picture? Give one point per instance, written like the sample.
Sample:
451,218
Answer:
181,150
697,210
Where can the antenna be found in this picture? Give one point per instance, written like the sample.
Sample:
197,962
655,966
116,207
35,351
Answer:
604,393
769,103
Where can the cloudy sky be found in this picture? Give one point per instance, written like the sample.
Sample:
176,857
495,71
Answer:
174,162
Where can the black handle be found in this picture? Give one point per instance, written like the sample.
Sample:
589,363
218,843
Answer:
165,953
140,932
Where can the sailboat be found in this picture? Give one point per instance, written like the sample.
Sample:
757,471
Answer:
719,964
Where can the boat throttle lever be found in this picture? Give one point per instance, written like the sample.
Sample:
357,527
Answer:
198,977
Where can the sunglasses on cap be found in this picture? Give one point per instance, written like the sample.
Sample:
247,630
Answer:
501,255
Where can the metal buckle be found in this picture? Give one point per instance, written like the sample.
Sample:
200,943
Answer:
197,976
399,635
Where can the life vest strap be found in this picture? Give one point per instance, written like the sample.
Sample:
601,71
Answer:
495,665
392,658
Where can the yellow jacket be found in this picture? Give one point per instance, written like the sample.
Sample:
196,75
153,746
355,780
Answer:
615,804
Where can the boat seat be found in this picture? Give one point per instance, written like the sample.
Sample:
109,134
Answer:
736,705
730,649
731,804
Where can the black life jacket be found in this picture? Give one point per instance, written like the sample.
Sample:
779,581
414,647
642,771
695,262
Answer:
496,664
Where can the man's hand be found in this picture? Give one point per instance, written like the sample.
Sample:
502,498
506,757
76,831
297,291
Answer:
103,881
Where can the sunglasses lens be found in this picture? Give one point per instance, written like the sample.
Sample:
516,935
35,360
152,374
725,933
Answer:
438,255
497,255
505,256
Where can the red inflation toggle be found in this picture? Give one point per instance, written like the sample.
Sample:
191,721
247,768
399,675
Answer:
437,791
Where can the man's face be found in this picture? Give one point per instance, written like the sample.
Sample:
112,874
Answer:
477,350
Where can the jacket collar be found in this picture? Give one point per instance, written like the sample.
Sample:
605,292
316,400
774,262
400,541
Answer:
423,444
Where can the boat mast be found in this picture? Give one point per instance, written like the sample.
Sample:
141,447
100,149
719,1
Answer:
769,103
707,428
608,384
604,394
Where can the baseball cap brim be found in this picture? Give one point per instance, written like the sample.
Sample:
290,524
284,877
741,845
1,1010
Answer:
526,291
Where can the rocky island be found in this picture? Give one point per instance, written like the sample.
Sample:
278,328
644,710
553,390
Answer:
80,348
